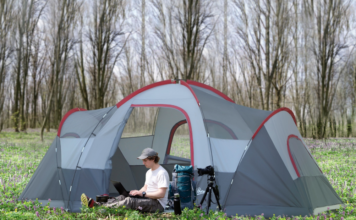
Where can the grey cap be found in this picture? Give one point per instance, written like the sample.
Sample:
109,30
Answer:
147,152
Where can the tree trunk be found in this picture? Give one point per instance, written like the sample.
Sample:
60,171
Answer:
47,115
331,18
224,81
17,89
143,46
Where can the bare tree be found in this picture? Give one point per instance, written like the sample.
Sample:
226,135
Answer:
80,67
56,55
251,51
352,80
225,56
6,24
106,44
37,62
183,48
263,34
29,13
143,42
62,25
281,53
167,37
300,61
193,17
330,30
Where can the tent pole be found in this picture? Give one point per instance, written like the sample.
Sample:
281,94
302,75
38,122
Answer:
123,124
60,184
81,153
233,177
208,135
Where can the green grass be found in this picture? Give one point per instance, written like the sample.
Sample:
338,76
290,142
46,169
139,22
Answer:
181,146
337,159
20,154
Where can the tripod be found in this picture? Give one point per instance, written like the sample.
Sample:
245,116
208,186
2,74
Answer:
210,188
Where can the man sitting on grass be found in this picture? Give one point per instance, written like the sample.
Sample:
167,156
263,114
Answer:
155,188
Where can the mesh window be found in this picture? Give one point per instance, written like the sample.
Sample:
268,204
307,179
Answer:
81,124
141,122
217,129
180,146
303,160
227,120
221,118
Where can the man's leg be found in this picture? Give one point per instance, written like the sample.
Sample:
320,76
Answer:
89,202
144,205
114,201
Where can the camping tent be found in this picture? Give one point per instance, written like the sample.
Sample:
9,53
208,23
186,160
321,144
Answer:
261,162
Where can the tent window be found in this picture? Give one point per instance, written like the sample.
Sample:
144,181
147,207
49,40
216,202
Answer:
70,135
142,122
179,140
219,130
303,163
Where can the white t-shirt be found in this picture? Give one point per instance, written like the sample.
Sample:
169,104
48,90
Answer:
156,179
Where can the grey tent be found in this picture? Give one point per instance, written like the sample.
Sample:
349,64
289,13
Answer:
261,161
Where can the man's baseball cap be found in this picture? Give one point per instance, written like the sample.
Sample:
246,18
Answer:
147,152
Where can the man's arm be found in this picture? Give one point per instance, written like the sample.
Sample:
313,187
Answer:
160,193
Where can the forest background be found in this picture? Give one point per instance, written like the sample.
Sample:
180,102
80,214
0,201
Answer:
56,55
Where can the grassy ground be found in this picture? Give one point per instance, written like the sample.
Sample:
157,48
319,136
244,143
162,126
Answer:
20,154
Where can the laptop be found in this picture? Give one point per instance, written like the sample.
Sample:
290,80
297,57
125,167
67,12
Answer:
121,189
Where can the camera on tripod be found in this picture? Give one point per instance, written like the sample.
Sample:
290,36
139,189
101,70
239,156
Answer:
209,170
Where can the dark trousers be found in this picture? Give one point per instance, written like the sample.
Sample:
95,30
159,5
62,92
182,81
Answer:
144,205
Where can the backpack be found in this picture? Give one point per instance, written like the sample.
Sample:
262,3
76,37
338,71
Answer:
182,183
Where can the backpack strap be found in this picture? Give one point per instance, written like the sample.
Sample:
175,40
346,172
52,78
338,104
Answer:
194,188
175,180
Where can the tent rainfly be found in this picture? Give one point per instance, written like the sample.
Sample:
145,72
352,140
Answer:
261,162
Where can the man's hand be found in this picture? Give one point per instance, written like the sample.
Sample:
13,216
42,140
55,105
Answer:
137,193
134,192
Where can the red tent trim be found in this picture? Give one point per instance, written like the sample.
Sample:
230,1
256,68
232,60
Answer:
66,116
166,82
124,100
290,155
202,85
176,126
173,130
187,118
191,90
270,116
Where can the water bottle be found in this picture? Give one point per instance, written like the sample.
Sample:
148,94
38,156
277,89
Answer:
177,208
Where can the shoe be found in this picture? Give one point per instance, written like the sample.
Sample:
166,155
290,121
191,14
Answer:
84,199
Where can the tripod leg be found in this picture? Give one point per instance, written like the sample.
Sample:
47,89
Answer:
209,201
216,198
202,200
